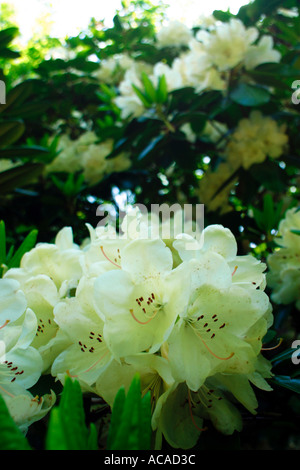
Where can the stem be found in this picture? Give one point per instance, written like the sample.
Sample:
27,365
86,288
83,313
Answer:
162,116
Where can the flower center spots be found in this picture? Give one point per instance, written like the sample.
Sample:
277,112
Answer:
145,308
14,371
94,339
45,326
95,346
208,326
206,396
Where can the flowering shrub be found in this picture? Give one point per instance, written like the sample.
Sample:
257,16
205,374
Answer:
195,329
180,327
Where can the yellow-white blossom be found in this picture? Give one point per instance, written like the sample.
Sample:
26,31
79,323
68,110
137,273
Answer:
284,263
254,139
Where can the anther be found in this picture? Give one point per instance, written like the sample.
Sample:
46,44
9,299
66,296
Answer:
234,271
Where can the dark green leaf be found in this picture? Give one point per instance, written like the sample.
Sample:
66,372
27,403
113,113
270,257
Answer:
7,35
17,95
142,96
30,151
250,95
151,147
25,246
162,90
10,132
287,382
150,91
19,176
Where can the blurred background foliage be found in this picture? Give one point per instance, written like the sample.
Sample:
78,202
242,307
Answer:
53,89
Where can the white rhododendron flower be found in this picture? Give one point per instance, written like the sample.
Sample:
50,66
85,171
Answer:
86,354
147,299
87,155
174,34
177,305
210,193
284,263
112,69
13,301
255,139
205,64
228,43
261,53
20,362
26,409
47,274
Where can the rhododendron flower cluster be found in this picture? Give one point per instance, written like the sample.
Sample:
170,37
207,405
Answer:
88,155
187,313
255,139
203,61
284,267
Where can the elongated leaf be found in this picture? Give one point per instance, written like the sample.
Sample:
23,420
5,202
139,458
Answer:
150,91
28,152
151,147
250,95
11,438
17,95
19,176
9,54
25,246
132,425
116,416
283,356
28,109
287,382
10,132
142,96
162,90
67,429
7,35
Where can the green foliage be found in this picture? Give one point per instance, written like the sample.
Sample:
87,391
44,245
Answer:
48,98
268,218
12,258
130,427
67,429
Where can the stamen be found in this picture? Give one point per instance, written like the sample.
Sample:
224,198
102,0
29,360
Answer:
10,394
274,347
70,375
4,324
37,399
115,264
97,362
191,413
142,322
234,271
211,352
